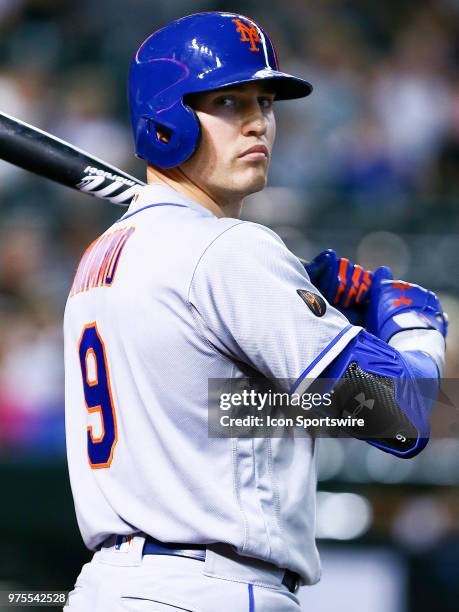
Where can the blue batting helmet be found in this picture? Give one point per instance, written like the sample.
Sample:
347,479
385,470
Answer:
197,53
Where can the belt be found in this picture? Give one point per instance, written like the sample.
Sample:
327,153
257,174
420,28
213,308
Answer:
291,580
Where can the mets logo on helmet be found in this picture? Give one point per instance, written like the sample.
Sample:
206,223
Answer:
249,33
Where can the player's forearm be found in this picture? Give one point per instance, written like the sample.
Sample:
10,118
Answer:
395,393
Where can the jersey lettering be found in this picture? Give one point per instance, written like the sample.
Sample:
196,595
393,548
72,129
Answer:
98,265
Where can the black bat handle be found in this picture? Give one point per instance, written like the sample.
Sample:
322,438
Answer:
39,152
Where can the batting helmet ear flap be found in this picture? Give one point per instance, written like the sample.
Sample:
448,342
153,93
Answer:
159,140
163,134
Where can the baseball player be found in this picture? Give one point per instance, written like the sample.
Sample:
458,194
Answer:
179,291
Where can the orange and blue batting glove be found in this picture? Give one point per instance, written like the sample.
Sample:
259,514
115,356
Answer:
345,285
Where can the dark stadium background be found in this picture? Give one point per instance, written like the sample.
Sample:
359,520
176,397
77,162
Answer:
369,165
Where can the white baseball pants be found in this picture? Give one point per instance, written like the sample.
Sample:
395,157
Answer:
124,580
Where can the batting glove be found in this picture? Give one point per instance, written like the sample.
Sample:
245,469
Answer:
346,286
395,305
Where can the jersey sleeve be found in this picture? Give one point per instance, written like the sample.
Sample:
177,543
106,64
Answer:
253,301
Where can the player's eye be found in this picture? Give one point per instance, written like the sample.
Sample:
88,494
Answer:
266,102
226,101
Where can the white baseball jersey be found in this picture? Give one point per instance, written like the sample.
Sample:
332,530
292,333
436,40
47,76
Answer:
167,298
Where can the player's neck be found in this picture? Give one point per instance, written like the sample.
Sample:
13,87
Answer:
178,180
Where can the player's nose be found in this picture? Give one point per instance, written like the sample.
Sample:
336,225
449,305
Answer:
255,121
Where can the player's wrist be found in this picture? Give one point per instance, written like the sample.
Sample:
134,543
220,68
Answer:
428,341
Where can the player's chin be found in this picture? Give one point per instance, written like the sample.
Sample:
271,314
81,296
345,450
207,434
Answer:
255,178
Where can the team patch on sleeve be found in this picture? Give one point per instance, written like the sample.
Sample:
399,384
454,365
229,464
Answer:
98,265
313,301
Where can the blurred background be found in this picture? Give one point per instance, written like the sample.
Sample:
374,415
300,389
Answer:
368,165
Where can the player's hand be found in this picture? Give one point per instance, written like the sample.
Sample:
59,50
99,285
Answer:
343,284
395,305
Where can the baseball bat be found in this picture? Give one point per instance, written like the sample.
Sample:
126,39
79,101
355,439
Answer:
33,149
